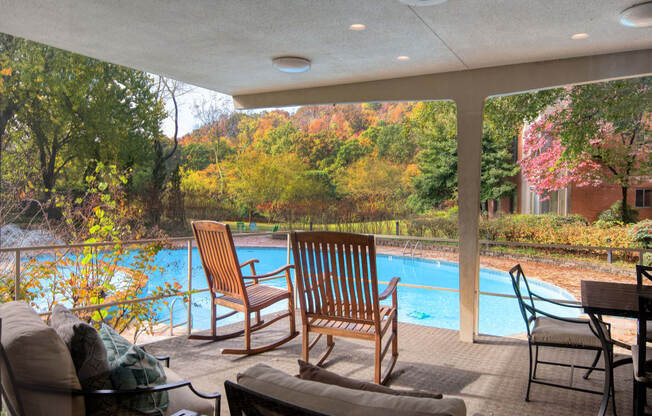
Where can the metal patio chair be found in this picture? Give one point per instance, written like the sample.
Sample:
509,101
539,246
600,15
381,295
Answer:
229,288
338,292
641,353
547,330
643,275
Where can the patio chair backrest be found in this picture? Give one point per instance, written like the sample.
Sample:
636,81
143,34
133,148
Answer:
641,272
526,304
219,258
336,275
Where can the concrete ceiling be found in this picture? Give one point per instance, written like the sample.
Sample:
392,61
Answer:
227,46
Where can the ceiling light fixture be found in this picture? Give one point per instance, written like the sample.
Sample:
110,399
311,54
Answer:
402,58
637,16
579,36
357,26
418,3
291,64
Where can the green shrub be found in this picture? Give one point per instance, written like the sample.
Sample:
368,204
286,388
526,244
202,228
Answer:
614,215
641,233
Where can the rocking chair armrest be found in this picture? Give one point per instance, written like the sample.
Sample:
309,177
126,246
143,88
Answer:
251,261
391,287
272,273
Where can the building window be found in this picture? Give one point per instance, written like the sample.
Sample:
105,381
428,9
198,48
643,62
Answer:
644,198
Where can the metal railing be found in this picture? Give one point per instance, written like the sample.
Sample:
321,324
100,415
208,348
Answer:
608,250
189,246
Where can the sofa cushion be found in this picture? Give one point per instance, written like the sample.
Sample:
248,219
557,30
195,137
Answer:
131,368
336,400
89,356
184,399
311,372
38,356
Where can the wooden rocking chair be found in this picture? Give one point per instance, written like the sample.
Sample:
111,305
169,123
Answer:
338,291
228,288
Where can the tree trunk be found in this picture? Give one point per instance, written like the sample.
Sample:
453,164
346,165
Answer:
624,212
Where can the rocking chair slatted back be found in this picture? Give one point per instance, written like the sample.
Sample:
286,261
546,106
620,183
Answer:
336,276
219,259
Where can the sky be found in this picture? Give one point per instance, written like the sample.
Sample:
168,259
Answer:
187,102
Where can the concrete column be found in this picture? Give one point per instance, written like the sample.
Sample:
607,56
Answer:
469,151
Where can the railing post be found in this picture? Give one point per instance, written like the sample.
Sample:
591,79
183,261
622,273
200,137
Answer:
396,227
288,247
189,323
17,276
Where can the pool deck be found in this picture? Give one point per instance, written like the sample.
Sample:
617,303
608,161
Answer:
489,375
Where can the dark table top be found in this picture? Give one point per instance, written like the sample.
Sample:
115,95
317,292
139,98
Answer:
609,298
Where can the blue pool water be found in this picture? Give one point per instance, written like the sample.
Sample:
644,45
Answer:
498,316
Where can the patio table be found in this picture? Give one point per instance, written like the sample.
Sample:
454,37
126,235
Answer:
612,299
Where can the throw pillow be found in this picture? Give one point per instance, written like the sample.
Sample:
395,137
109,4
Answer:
131,368
89,356
311,372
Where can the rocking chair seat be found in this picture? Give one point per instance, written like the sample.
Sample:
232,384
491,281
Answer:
259,296
553,331
364,330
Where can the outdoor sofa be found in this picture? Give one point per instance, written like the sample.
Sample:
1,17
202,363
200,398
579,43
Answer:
39,377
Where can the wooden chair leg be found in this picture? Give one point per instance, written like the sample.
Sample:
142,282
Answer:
293,327
247,331
213,316
305,345
377,361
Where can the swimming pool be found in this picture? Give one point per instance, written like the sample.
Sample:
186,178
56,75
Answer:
498,316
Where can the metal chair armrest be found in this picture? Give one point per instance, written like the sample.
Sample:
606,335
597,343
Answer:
555,302
391,287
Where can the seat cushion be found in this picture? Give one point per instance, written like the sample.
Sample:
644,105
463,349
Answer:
646,374
311,372
553,331
89,356
38,356
184,399
131,368
336,400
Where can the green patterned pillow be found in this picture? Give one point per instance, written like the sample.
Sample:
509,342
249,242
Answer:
131,367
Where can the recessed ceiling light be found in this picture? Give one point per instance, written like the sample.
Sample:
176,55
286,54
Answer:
292,64
422,2
637,16
402,58
357,26
579,36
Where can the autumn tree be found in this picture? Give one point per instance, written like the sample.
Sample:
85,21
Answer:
597,134
71,111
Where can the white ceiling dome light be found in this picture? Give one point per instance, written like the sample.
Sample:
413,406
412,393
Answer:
291,64
639,15
422,2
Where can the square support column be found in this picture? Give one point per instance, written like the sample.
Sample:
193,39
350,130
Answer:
469,152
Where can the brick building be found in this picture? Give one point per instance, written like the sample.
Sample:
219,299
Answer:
586,201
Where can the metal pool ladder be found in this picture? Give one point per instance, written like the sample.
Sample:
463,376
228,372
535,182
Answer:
413,248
